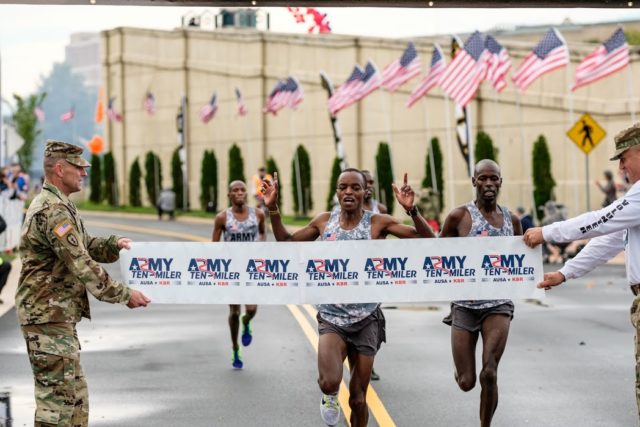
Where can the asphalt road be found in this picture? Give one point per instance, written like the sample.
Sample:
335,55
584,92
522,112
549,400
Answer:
569,360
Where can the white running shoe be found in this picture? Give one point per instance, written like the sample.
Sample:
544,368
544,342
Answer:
330,409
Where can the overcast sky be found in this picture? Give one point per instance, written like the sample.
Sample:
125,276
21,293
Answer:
32,38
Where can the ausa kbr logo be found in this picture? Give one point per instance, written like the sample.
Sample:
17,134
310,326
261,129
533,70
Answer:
270,272
447,269
212,272
330,272
388,271
151,271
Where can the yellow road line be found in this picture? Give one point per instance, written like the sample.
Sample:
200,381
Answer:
376,406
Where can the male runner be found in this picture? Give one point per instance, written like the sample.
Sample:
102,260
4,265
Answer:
355,331
371,204
489,318
239,223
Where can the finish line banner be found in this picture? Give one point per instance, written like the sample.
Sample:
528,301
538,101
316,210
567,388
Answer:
408,270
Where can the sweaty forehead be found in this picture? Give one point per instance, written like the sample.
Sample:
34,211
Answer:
236,186
488,169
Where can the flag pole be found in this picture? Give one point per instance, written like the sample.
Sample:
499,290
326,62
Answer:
632,106
470,146
576,199
524,153
432,165
452,197
297,163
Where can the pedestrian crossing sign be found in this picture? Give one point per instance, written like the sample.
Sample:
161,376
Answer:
586,133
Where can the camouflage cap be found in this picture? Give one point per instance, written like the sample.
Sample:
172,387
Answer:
626,139
69,152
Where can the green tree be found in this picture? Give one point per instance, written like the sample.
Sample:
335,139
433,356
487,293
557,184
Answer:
543,181
209,182
385,176
110,188
484,147
95,179
333,182
236,165
135,198
153,176
437,161
272,169
178,179
632,36
26,124
305,180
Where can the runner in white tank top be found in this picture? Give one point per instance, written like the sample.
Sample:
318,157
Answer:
239,223
348,330
489,318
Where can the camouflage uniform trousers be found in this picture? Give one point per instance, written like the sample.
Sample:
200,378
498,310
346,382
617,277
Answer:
635,321
61,394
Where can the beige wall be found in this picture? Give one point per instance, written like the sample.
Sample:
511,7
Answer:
173,63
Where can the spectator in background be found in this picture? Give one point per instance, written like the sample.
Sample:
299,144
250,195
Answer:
21,181
525,219
609,189
166,203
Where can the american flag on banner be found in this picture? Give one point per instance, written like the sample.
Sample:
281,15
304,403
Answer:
273,104
208,111
112,114
370,81
150,104
39,113
401,70
499,64
609,57
550,54
68,115
346,92
242,107
432,78
463,75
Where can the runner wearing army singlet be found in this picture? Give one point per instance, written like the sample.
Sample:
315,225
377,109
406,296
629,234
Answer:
239,223
371,204
353,331
489,318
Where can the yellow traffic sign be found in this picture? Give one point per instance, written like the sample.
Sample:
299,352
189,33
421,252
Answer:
586,133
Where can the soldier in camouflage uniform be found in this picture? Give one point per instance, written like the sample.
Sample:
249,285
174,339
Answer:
59,265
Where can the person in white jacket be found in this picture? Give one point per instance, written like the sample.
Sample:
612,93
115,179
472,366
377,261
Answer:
611,229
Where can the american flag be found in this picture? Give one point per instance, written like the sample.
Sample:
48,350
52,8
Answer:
39,113
550,54
150,103
401,70
112,114
273,104
609,57
431,79
208,111
68,115
242,107
345,92
463,75
293,94
499,64
370,81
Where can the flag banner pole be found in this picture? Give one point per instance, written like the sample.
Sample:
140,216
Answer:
297,162
632,101
432,164
576,200
470,147
524,153
452,196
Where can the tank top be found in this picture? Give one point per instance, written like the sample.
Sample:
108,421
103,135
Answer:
374,206
346,314
241,231
481,227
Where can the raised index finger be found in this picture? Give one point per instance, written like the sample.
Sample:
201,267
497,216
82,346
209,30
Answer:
405,178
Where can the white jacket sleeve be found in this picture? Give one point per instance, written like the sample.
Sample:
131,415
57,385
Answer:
597,252
621,214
